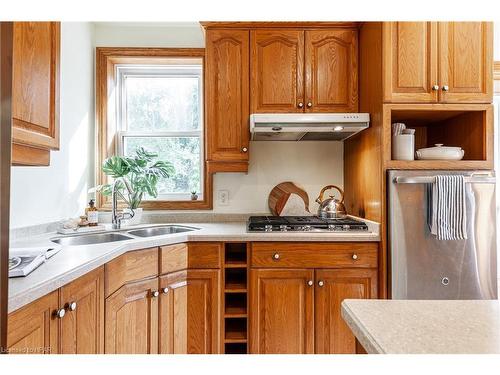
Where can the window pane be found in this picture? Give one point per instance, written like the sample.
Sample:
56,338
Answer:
182,152
162,103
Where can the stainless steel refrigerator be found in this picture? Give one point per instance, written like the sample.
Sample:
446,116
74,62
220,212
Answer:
423,267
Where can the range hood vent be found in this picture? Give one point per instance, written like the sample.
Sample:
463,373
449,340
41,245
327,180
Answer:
307,127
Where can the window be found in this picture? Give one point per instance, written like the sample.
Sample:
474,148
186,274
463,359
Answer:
160,109
153,98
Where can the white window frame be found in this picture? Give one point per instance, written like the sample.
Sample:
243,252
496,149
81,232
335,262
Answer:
180,67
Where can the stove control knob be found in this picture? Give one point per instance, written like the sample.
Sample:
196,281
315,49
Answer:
345,227
268,228
283,228
331,227
307,228
276,256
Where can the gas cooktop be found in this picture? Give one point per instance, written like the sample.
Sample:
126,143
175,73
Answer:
303,224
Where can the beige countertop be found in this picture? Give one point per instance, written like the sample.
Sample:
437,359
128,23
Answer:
425,327
74,261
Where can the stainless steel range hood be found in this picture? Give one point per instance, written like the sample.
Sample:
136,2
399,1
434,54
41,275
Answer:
306,127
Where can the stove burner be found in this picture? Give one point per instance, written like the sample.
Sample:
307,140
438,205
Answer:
303,224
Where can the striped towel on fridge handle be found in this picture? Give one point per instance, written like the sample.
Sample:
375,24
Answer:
447,217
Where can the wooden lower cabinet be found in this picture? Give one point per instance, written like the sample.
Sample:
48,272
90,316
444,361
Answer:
132,319
298,310
189,312
332,335
82,327
34,329
282,311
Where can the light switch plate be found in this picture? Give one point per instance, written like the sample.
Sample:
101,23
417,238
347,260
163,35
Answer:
223,197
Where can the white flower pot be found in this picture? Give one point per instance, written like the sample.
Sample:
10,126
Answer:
136,220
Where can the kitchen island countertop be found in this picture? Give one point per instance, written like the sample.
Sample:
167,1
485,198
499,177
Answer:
425,327
75,261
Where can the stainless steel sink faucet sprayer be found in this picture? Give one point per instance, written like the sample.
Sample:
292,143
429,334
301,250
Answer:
116,218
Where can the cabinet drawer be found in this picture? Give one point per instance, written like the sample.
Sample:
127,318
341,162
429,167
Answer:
192,255
132,266
314,255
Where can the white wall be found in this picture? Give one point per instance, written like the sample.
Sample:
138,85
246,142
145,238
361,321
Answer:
46,194
309,164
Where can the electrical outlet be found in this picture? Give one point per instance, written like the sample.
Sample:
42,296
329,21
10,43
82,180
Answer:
223,197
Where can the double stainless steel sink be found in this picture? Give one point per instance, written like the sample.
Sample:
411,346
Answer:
97,238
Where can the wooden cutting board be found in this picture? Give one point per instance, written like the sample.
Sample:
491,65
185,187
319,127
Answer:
279,196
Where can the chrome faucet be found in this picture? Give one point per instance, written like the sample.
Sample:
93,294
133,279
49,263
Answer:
116,218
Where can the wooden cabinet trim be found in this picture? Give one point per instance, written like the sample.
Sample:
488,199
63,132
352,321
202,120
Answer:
131,266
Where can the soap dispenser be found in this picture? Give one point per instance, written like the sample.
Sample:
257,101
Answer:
92,214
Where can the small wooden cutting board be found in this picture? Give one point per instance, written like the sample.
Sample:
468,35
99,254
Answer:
279,196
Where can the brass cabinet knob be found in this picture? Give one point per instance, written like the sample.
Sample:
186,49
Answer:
309,105
300,105
355,256
60,313
321,283
72,306
164,290
276,256
446,88
435,87
310,283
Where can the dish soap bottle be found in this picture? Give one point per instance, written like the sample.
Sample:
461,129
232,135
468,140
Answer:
92,214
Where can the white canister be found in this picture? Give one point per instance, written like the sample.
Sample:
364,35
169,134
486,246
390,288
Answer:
403,147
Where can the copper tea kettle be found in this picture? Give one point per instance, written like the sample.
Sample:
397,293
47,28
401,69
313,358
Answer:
331,208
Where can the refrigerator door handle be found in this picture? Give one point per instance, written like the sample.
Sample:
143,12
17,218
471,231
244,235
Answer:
477,179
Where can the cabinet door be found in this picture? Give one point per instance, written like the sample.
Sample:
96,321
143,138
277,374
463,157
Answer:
281,315
34,328
82,328
227,93
332,335
277,71
132,319
410,62
35,90
189,312
466,62
331,64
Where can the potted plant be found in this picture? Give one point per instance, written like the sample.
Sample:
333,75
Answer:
138,175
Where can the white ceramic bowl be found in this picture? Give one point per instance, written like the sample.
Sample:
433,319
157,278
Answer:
440,152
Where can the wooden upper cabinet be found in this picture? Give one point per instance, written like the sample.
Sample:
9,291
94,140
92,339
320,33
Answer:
227,95
277,70
281,315
35,91
82,328
131,324
331,70
34,329
332,335
189,312
446,62
466,62
410,60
